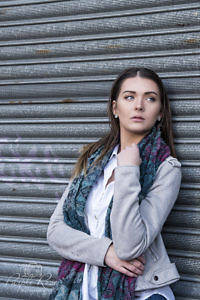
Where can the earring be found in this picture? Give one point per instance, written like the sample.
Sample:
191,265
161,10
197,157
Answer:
116,116
159,118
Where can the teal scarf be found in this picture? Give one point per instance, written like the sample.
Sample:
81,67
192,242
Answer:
111,284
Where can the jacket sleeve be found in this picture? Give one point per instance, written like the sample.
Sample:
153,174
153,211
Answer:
134,226
74,244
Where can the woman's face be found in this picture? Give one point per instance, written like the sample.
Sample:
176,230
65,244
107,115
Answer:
138,97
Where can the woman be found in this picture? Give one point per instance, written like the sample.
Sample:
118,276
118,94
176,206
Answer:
107,225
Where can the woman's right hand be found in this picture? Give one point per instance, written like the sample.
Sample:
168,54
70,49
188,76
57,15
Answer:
132,268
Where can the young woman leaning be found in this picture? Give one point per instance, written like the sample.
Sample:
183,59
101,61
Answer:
107,225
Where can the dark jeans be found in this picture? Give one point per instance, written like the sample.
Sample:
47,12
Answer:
156,297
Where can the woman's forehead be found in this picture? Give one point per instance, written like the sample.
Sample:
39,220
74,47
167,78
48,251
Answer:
139,84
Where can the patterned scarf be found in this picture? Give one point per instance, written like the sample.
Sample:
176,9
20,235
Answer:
111,284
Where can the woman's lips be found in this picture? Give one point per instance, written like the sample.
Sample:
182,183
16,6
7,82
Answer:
137,119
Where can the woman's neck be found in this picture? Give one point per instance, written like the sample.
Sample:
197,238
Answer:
127,139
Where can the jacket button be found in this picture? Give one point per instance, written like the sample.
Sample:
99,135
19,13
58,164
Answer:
155,278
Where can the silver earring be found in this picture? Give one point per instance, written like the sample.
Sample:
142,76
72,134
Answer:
116,116
159,118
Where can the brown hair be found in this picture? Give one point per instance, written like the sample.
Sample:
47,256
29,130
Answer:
113,137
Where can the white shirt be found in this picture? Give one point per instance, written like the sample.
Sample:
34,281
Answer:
95,214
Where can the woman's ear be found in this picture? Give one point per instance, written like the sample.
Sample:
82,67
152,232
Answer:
114,107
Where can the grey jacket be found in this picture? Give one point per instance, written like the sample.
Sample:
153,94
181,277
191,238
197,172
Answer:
136,229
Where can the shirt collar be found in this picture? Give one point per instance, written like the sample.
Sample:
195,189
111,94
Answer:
115,150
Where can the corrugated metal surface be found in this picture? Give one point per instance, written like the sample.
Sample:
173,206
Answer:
57,63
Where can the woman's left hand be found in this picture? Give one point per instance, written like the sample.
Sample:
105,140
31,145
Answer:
130,156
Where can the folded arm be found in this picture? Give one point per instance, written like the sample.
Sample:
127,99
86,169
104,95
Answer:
134,226
73,244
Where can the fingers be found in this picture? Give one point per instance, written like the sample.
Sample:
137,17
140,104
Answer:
141,258
135,267
129,156
138,265
134,145
130,270
127,272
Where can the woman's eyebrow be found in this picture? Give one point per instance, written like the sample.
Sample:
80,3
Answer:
150,92
146,93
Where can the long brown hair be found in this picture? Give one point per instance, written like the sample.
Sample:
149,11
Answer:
113,137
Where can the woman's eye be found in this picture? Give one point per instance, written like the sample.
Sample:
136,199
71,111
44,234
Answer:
129,98
151,99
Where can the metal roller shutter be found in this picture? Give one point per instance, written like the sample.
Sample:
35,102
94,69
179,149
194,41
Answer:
57,63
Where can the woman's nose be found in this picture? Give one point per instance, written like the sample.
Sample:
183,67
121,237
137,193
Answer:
139,105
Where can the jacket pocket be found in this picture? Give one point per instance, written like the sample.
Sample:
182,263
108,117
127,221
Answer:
153,253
